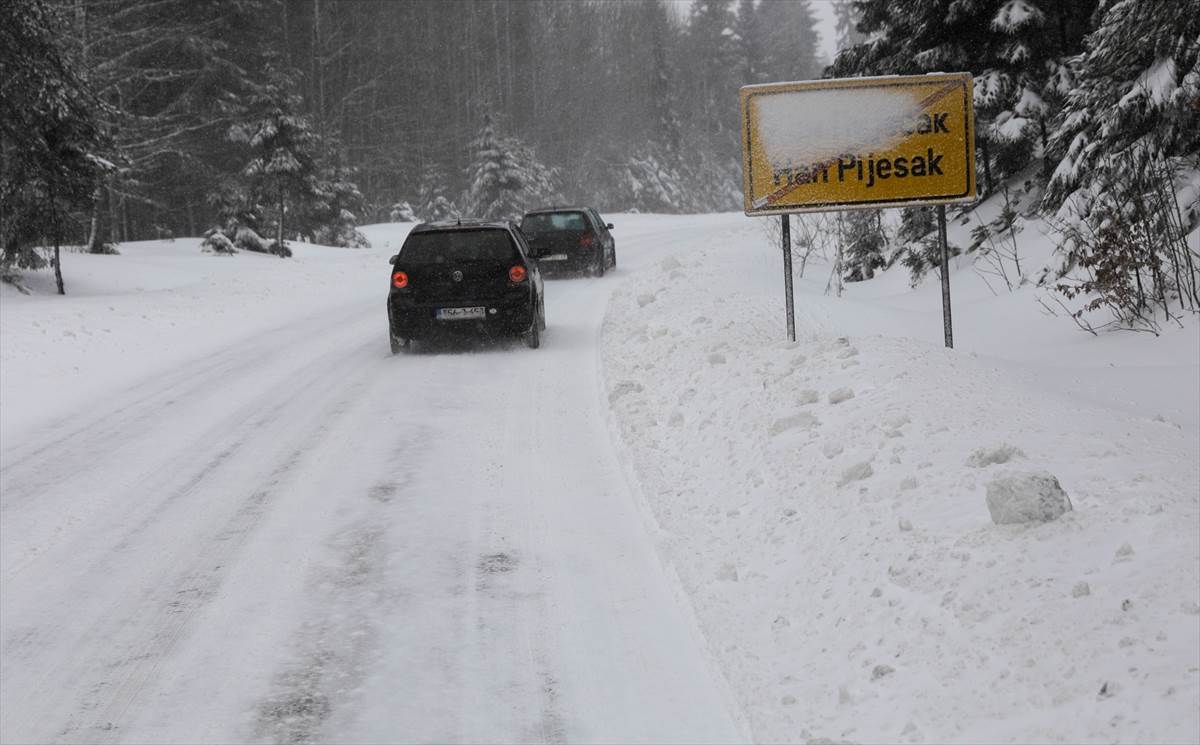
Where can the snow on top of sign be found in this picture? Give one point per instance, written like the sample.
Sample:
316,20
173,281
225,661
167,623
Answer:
819,125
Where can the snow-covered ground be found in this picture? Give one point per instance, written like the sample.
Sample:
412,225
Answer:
228,514
823,501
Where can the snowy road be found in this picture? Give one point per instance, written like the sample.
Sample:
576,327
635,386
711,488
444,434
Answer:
303,538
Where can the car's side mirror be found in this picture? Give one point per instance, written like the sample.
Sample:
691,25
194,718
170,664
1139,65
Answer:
394,259
609,226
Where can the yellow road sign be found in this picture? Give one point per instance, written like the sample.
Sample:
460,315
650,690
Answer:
895,141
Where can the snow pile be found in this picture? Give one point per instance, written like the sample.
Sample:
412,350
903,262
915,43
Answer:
1015,498
824,505
161,303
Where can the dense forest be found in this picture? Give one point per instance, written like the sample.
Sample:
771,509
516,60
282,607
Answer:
255,121
204,111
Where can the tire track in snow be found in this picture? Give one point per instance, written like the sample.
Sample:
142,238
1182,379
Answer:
195,587
71,474
333,647
127,641
131,409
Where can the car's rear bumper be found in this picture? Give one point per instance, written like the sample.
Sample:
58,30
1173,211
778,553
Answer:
570,263
418,320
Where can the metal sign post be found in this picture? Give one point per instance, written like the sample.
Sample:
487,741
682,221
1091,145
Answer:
859,143
947,327
787,276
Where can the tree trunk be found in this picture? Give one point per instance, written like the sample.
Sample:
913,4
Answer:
58,278
1046,172
93,242
987,166
112,212
126,225
279,230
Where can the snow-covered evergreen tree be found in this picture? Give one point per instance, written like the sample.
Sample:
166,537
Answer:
1127,127
49,136
331,215
1027,77
433,195
402,212
748,37
846,31
789,41
505,177
644,183
864,240
282,167
711,53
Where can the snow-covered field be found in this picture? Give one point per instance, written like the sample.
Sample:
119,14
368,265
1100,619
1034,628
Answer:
228,514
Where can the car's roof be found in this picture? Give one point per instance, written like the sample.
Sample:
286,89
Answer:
428,227
559,209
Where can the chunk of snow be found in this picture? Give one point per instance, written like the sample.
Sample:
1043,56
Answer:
881,671
1023,497
840,395
802,420
856,472
984,457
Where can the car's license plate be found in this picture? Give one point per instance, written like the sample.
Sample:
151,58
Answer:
555,257
461,314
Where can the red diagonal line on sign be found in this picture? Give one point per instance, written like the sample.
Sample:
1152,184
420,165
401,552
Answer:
786,189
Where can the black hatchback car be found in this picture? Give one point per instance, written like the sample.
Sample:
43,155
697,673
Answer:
465,276
572,239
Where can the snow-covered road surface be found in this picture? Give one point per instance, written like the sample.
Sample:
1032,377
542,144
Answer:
228,514
299,537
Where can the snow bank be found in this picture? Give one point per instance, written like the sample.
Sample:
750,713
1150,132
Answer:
160,303
839,551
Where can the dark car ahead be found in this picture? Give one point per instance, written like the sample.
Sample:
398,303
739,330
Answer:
572,239
465,276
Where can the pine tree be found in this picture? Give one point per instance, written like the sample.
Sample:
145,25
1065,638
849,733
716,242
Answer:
664,109
331,216
865,240
433,197
1126,127
789,41
846,31
749,39
176,74
505,177
1028,76
48,137
712,64
282,166
494,182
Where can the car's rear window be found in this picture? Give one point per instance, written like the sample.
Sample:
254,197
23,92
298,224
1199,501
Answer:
453,246
546,222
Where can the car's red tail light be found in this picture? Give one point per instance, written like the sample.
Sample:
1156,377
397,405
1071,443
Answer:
517,273
585,240
399,280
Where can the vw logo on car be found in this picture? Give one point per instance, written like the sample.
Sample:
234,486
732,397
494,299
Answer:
456,276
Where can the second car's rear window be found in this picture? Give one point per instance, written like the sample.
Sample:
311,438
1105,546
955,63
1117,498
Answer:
545,222
452,246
